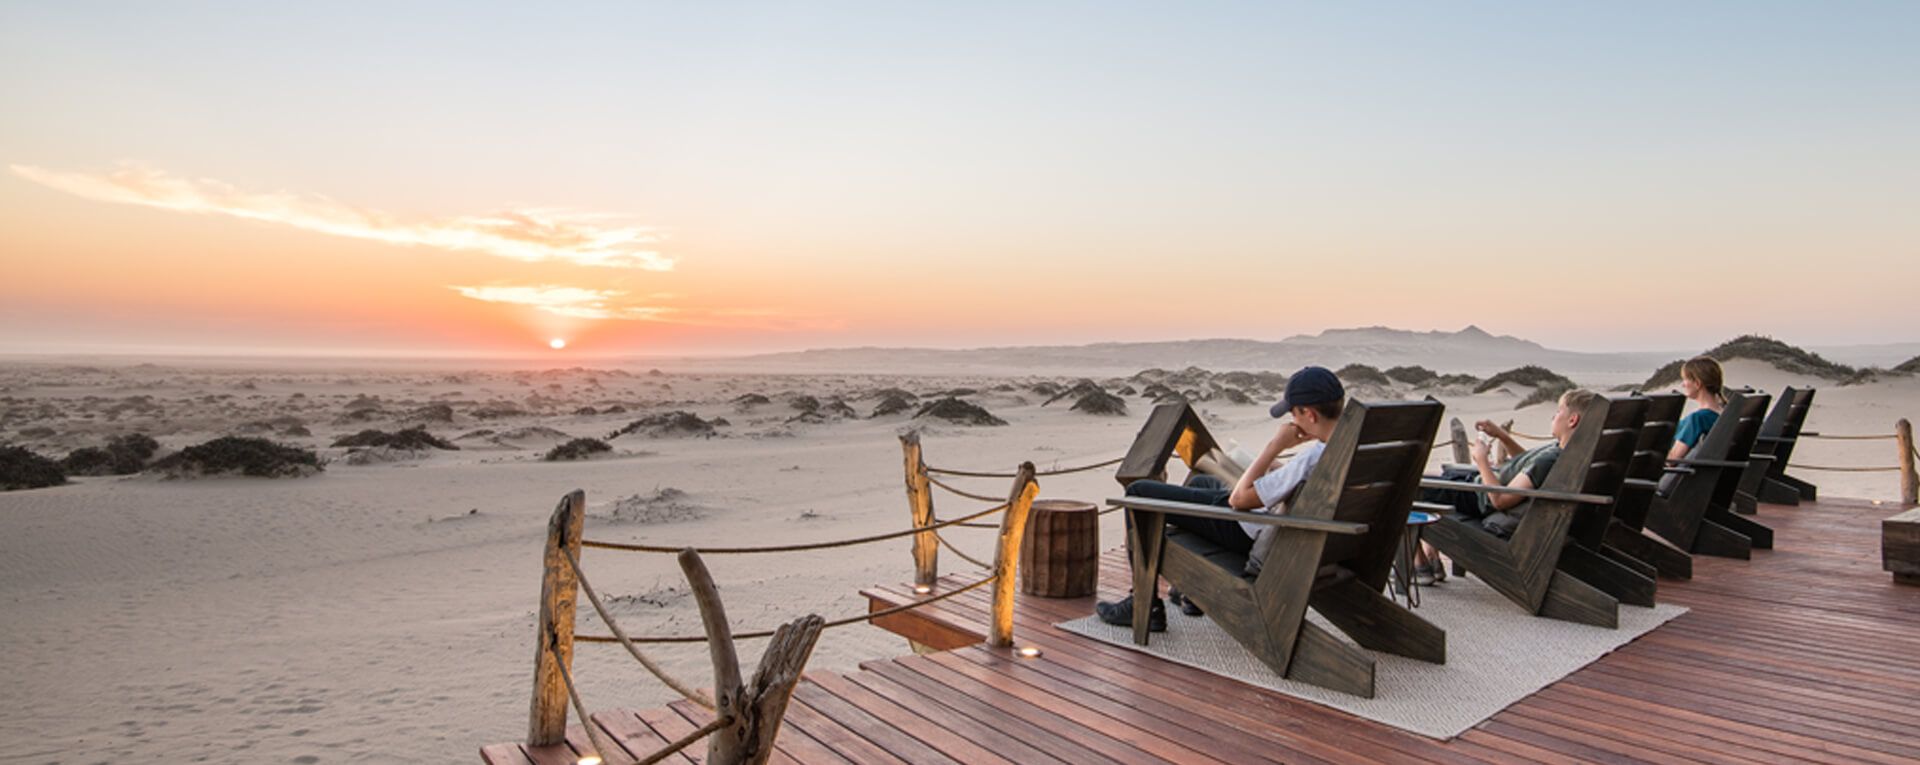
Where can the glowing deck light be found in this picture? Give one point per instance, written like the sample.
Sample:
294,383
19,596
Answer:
1029,652
556,343
922,589
590,759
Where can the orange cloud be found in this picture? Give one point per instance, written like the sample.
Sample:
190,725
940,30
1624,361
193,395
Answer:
524,235
572,302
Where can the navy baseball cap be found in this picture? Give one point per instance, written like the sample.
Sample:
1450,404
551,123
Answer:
1309,386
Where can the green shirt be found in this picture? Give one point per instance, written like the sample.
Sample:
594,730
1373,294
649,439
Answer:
1535,463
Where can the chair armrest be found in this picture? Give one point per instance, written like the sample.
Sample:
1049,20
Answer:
1709,463
1237,516
1679,469
1775,439
1641,484
1564,496
1455,466
1433,507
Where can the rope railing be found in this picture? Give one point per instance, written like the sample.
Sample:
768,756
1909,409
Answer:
963,556
606,617
1037,473
968,495
668,549
841,622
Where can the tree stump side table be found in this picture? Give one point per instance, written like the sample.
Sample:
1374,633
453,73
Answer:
1060,552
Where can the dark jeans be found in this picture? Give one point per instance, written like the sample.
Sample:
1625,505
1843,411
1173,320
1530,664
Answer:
1466,504
1201,489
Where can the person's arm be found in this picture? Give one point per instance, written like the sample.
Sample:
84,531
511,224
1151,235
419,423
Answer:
1508,446
1484,462
1244,497
1679,450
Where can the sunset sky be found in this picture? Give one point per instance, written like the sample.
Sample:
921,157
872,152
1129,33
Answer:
478,178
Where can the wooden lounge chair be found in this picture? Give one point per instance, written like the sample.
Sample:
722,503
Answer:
1526,568
1767,480
1332,550
1587,555
1697,515
1625,533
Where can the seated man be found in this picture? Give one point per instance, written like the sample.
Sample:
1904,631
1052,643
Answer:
1496,513
1314,397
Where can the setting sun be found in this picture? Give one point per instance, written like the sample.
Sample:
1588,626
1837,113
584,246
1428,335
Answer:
556,343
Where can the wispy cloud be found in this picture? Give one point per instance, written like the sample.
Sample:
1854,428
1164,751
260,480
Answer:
573,302
525,235
587,303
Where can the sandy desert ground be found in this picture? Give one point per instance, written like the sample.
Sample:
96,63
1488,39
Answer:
384,611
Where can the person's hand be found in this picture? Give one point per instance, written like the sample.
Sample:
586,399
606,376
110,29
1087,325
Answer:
1490,428
1482,450
1289,435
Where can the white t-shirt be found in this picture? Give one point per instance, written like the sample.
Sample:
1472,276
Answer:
1279,484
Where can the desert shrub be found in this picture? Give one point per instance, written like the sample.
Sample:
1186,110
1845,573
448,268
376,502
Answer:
432,413
1908,367
1414,375
891,405
245,456
415,439
751,400
577,449
804,403
675,423
1544,394
1529,375
1785,357
1362,374
124,455
22,469
1101,403
1079,390
956,411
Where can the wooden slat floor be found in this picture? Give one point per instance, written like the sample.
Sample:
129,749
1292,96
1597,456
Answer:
1807,653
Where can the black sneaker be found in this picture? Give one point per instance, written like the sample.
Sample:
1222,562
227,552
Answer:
1120,613
1184,603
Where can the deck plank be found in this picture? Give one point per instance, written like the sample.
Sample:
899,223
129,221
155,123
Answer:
1802,654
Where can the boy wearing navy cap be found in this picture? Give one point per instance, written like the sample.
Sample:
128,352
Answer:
1314,397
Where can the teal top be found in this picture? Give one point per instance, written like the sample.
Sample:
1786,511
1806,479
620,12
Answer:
1694,426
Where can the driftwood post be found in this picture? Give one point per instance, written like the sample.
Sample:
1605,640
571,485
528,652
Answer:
754,710
1007,558
926,549
1909,480
1462,448
558,589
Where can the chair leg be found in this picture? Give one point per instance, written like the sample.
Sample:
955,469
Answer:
1720,541
1376,622
1758,534
1569,599
1638,566
1145,536
1774,492
1321,659
1670,561
1622,582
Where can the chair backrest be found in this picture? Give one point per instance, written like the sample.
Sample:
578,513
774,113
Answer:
1730,439
1649,457
1784,422
1746,410
1172,428
1370,473
1610,466
1543,527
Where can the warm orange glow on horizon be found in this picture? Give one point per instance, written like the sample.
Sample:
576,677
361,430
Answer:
556,344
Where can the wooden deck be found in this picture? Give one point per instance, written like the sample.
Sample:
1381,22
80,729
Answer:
1809,652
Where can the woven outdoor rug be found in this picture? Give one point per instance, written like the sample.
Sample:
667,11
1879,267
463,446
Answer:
1496,655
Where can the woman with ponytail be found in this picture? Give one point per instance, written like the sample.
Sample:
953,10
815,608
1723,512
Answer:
1702,381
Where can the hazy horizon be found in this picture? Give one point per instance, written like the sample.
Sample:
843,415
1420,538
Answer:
670,181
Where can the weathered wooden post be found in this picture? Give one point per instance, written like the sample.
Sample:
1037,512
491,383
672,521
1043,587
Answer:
926,548
751,713
558,589
1909,479
1007,558
1462,448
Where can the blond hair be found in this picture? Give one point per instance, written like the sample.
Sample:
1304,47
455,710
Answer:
1577,399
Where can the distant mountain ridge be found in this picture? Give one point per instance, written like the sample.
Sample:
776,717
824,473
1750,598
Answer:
1471,350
